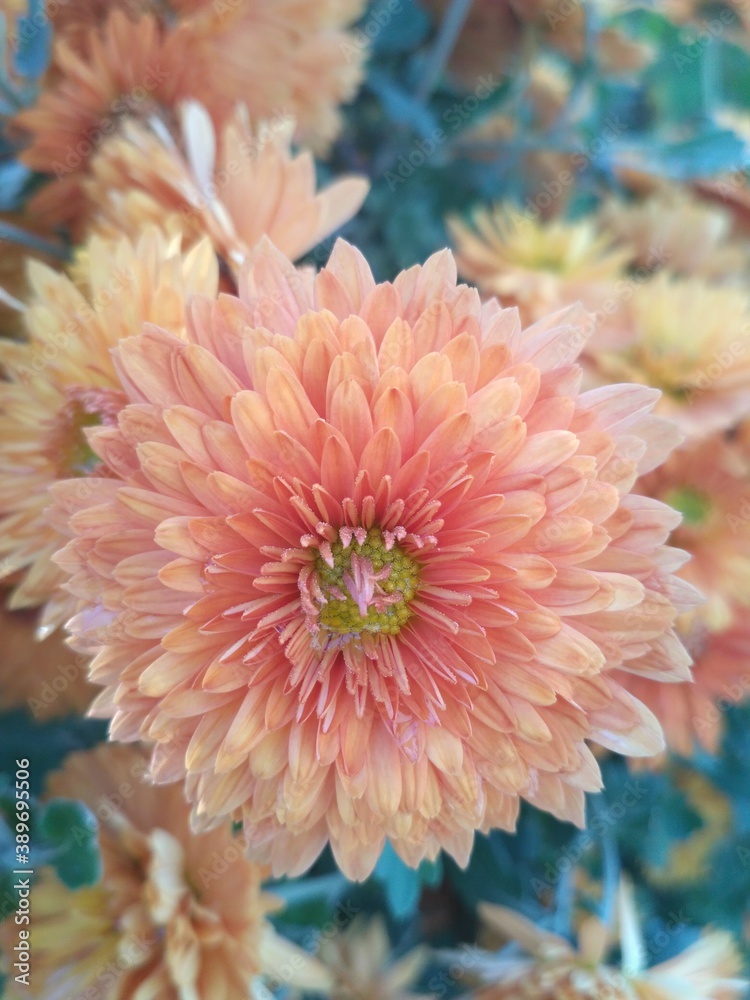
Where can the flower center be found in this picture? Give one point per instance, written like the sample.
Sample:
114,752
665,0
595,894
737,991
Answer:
363,582
67,446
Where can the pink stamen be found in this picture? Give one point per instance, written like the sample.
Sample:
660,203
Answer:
362,584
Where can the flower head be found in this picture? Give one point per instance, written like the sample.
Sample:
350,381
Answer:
283,59
124,67
357,960
61,382
708,484
234,189
674,228
174,915
276,55
381,558
707,970
689,338
536,265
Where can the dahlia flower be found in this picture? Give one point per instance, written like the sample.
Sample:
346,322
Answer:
62,380
687,337
174,915
708,483
371,561
707,970
535,265
357,960
235,190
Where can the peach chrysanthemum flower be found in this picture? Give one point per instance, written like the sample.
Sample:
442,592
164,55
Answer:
281,58
707,970
235,190
677,229
708,483
288,56
174,915
382,557
127,69
62,381
358,962
688,337
536,265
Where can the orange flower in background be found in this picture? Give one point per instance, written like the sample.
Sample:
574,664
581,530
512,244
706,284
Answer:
62,381
708,483
707,970
536,265
127,69
358,962
48,681
691,713
235,190
687,337
680,231
174,915
369,572
289,59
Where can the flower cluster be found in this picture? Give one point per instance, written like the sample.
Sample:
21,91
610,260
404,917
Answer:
367,569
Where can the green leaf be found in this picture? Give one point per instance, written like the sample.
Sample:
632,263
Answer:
400,883
71,831
714,151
